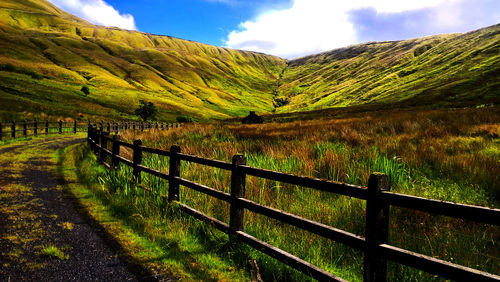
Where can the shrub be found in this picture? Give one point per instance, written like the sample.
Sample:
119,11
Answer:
85,90
184,119
146,110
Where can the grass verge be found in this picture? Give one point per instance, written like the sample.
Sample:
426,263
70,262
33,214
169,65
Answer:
160,243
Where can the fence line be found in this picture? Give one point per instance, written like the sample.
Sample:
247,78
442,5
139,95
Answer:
25,128
377,195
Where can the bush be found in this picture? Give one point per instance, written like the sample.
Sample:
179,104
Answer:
146,110
85,90
184,119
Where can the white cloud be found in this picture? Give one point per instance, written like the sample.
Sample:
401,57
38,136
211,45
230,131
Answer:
97,12
312,26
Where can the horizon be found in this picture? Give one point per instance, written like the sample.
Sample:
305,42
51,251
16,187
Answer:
271,27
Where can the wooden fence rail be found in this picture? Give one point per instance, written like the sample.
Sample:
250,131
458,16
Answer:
378,198
35,128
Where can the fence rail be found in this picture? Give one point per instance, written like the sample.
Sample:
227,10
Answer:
25,128
378,201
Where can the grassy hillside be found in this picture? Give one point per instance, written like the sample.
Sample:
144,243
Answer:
440,70
47,55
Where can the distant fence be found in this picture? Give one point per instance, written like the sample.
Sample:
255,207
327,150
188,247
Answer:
14,129
378,201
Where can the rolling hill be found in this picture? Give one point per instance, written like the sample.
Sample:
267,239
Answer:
444,70
47,55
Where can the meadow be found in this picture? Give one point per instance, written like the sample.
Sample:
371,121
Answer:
448,154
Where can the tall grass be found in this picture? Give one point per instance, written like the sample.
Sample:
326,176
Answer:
442,154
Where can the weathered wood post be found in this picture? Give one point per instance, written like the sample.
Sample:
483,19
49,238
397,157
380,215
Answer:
104,145
25,128
13,129
46,127
174,171
162,126
60,126
101,126
108,127
137,159
116,151
89,136
35,128
377,225
96,136
74,126
238,180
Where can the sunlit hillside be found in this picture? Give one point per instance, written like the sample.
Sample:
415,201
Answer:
47,55
446,70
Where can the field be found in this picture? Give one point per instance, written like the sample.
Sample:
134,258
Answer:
448,155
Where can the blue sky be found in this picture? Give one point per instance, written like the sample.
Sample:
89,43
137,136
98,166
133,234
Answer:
289,28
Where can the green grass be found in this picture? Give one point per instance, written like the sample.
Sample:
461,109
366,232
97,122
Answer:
52,251
157,237
345,150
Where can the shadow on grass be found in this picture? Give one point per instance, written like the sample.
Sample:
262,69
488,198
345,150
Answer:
174,250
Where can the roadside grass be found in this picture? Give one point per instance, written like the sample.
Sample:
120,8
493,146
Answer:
439,154
52,251
150,233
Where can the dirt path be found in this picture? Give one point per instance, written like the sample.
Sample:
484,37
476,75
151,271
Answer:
35,213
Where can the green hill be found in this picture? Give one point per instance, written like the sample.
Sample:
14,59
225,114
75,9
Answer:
47,55
442,70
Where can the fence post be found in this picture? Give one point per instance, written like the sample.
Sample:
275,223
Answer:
137,159
174,171
46,127
377,225
35,128
1,133
162,126
101,126
60,126
13,129
238,179
25,128
74,126
89,136
96,136
116,151
104,145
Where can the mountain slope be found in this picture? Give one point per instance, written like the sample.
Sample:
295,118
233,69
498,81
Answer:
47,55
445,70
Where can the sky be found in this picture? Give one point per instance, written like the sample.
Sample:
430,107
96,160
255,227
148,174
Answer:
289,28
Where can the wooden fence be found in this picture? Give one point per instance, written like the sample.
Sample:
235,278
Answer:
36,128
378,199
